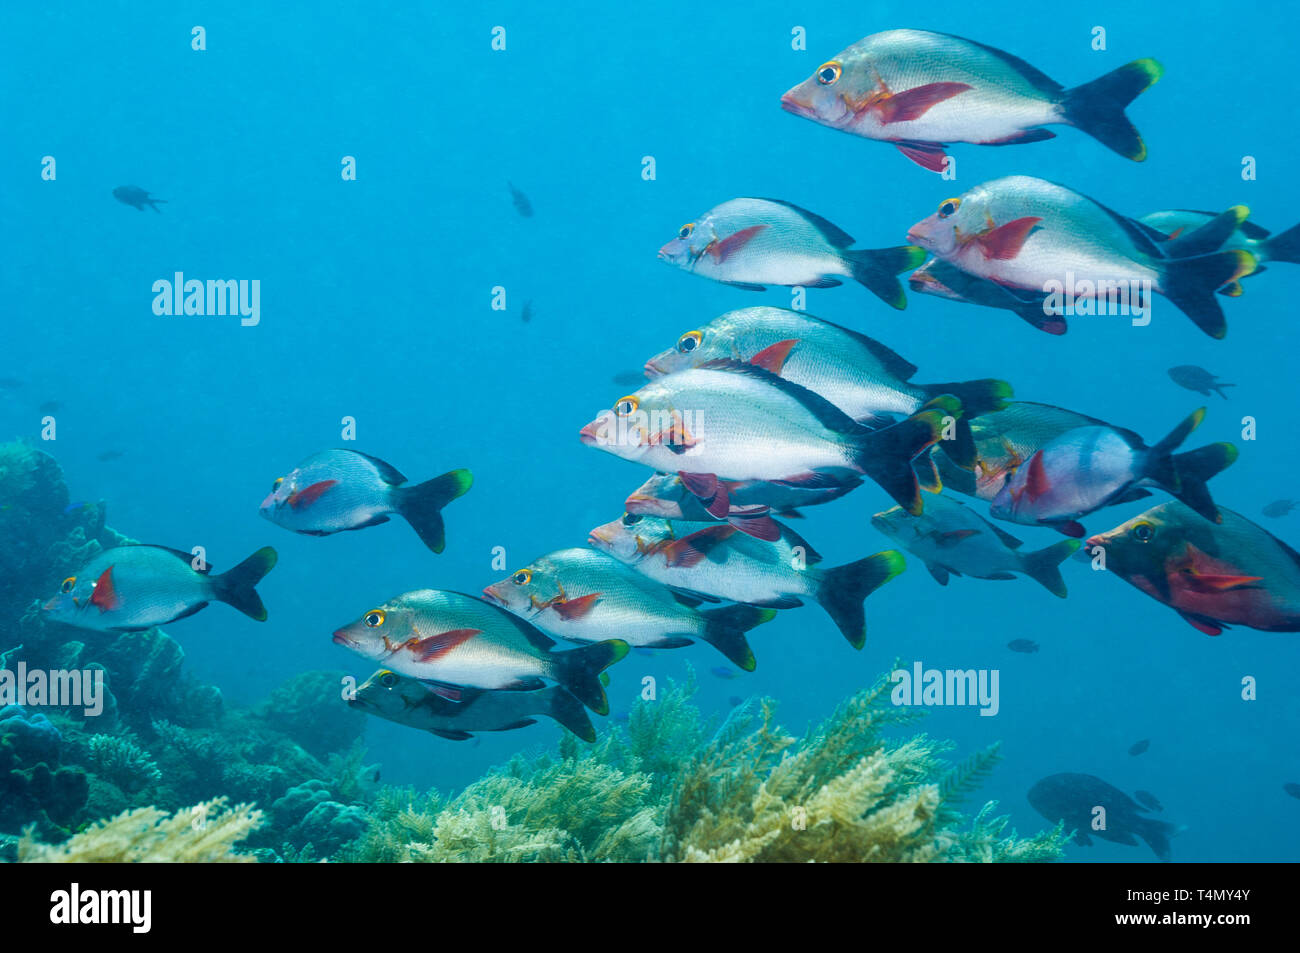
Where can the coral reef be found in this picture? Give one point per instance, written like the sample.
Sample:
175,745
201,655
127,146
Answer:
206,833
34,786
652,791
666,786
163,740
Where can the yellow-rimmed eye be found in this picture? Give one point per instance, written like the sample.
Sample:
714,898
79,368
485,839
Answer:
387,679
374,618
829,73
685,230
630,519
1143,531
948,207
689,341
68,584
276,485
522,578
626,405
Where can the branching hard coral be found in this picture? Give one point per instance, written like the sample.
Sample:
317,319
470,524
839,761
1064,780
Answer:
122,761
206,833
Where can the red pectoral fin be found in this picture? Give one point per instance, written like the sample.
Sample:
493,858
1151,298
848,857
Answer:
689,550
436,646
1209,583
773,357
1037,484
1005,241
571,609
953,537
914,103
105,596
310,494
928,155
721,251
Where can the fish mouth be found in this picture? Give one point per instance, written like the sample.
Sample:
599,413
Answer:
652,369
799,108
492,597
340,638
1098,540
916,238
589,435
596,538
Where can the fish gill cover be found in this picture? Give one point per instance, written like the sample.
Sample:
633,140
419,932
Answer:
386,299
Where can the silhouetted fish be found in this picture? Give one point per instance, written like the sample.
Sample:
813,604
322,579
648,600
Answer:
1198,379
1139,747
1279,508
10,383
522,205
1022,645
1292,789
108,455
136,197
1074,799
50,407
1149,799
721,671
527,314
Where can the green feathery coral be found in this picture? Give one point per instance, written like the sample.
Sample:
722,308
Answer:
656,791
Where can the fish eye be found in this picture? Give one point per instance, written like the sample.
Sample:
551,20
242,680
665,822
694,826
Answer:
630,519
68,584
685,230
522,578
948,207
387,679
374,618
829,73
1143,531
689,341
276,485
626,405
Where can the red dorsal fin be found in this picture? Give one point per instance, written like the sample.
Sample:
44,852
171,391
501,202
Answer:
914,103
928,155
105,595
1005,241
772,358
1036,482
721,251
436,646
310,494
570,609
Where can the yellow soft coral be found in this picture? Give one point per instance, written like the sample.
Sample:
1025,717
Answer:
206,833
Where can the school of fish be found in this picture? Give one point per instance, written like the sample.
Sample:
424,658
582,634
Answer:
744,419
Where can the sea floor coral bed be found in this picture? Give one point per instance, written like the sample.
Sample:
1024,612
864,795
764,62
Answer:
666,786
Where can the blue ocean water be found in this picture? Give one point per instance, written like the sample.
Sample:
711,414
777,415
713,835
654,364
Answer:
376,305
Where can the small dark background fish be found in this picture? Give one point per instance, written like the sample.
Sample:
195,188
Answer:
522,205
1198,379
